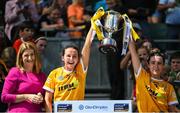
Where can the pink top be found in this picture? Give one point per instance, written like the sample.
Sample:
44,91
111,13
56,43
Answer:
18,82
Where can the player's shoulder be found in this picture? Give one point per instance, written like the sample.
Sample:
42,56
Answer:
56,70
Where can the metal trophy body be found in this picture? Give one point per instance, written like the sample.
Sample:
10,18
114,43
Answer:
111,21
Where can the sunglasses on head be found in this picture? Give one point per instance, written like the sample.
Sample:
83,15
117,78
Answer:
156,53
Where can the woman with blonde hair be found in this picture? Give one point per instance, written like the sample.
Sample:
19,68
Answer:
23,86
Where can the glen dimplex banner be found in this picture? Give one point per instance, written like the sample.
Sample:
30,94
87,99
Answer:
89,106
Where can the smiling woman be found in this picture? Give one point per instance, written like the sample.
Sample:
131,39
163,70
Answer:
27,58
153,93
23,86
68,82
70,57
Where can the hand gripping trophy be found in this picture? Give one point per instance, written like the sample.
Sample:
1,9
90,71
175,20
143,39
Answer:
109,22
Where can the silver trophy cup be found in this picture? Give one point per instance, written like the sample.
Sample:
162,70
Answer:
110,24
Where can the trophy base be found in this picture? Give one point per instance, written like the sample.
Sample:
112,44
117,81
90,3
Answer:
107,49
108,46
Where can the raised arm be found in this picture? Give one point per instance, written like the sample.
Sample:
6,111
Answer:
125,60
87,47
134,56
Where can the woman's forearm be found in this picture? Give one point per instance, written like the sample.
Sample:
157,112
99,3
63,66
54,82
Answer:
48,101
48,106
20,98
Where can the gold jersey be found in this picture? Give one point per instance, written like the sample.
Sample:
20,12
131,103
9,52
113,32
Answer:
153,95
67,85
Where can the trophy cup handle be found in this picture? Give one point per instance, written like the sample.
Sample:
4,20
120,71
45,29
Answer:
128,33
96,24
